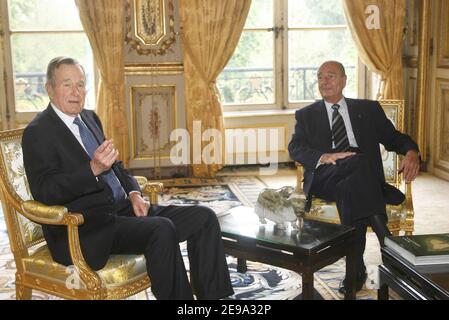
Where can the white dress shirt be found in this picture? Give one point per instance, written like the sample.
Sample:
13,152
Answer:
68,121
346,119
345,115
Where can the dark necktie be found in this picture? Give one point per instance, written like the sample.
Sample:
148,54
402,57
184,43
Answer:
91,144
339,135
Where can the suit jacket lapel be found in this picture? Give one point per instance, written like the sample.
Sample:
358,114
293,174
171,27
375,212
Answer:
355,115
66,134
322,125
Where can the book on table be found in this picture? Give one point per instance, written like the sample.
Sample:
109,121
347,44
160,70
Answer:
424,249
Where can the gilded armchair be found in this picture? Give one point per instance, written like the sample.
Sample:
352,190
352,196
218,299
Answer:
123,275
400,218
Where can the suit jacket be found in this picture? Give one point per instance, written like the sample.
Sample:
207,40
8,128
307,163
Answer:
59,173
313,136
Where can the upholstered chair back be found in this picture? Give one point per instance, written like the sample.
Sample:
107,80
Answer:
15,190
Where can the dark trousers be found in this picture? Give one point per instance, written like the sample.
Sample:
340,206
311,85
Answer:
358,193
157,236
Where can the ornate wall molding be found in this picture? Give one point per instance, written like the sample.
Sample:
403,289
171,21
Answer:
443,35
150,26
153,117
154,69
423,76
441,160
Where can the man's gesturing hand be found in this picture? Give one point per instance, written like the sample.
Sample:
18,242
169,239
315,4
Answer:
104,157
331,158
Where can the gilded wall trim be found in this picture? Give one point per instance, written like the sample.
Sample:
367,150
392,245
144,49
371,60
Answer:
443,35
162,68
150,26
441,137
423,76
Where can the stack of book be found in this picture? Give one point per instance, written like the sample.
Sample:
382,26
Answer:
424,249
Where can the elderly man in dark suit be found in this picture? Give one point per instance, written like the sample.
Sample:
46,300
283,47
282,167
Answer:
337,141
68,162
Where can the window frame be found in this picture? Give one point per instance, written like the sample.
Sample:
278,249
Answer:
281,71
11,117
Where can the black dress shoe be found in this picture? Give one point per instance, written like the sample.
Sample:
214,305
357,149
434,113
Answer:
359,282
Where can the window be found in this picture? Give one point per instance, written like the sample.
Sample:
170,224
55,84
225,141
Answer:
281,48
38,31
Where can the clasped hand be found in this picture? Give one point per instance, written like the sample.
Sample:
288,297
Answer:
104,158
140,205
331,158
409,165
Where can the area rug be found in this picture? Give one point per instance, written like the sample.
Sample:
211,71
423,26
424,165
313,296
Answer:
260,282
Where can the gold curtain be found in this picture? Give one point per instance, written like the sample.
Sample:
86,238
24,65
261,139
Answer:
211,31
380,48
103,22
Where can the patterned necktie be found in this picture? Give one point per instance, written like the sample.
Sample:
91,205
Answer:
339,135
91,144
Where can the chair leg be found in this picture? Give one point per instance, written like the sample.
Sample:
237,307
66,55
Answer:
23,293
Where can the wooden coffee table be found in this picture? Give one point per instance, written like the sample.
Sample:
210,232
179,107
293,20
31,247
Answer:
313,246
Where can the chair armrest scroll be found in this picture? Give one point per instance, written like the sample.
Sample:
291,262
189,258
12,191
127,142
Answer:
152,189
59,215
142,181
299,176
43,214
409,211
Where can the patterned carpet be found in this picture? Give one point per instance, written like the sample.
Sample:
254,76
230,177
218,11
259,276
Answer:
260,282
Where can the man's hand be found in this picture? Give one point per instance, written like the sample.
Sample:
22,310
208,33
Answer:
140,206
104,158
410,166
331,158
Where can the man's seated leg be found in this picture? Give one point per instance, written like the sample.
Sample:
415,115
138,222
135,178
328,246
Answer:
360,242
358,194
156,238
209,273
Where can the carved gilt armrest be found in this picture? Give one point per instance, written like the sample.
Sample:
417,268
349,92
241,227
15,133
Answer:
409,223
59,215
152,189
142,181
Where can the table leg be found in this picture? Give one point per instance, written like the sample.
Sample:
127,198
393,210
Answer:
241,265
382,292
307,285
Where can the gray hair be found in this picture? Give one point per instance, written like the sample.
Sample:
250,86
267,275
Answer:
55,63
339,64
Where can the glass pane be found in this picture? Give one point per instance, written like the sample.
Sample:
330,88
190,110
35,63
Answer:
249,76
308,50
314,13
260,14
43,15
30,66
